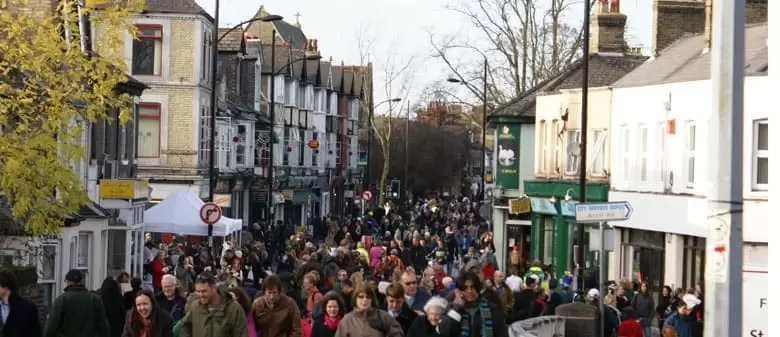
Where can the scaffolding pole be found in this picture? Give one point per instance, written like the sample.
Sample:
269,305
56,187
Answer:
723,270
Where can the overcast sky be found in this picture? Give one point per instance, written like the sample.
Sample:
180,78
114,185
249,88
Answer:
399,27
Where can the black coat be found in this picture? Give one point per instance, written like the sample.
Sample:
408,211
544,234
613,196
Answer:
405,318
319,329
22,319
422,328
162,325
449,327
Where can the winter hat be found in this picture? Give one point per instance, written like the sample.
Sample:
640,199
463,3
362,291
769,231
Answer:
593,292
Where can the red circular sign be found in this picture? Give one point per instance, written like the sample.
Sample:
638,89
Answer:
210,213
314,144
367,195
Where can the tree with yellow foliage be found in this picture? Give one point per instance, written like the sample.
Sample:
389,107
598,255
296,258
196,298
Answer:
50,89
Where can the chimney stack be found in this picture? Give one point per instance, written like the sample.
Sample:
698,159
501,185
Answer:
608,28
673,19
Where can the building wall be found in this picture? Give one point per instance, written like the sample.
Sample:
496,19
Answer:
668,158
551,137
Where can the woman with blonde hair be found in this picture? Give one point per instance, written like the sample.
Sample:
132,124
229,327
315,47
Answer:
357,279
366,320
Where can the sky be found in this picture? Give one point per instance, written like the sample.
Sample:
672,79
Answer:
400,30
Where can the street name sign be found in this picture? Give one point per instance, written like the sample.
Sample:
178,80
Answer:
604,211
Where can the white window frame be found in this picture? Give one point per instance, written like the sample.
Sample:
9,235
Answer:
204,150
643,151
759,154
542,147
246,142
625,147
660,161
690,154
598,160
557,145
573,136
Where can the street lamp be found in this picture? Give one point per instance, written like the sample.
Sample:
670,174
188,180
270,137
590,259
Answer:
272,109
214,99
371,136
484,120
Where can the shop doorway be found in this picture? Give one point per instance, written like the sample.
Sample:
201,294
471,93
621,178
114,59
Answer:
644,258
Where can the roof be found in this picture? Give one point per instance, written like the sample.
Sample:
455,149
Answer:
297,66
325,68
603,70
282,56
291,34
175,7
337,72
349,81
312,71
232,41
683,60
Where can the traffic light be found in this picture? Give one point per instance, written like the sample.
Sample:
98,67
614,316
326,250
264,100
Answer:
395,189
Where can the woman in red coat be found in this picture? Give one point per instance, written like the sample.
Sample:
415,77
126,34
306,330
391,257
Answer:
629,327
158,270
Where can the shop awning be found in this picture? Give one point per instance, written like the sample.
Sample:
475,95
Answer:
302,197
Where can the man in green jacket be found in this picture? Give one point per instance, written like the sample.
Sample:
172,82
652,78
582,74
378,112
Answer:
214,314
78,312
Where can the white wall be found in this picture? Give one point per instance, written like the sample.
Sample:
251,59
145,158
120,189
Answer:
667,165
527,154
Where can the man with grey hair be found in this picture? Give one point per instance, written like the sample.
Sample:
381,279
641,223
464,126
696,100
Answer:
169,299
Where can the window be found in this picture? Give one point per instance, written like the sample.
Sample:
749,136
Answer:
206,56
147,50
625,147
598,159
338,152
302,118
242,153
291,93
351,127
694,255
557,145
542,147
329,121
690,154
288,116
204,149
149,130
573,150
660,152
315,152
285,150
262,145
760,170
643,144
301,146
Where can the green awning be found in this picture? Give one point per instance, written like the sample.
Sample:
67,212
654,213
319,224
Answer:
302,197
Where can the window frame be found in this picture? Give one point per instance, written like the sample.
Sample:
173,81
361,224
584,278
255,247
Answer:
601,162
577,139
661,147
643,153
543,165
151,105
690,154
139,36
625,147
557,147
204,142
759,154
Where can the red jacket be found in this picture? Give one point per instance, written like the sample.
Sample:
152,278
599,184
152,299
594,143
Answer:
630,328
157,273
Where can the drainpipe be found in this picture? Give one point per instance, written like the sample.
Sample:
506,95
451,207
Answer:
707,26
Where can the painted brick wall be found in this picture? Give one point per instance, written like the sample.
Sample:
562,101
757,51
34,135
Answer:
183,51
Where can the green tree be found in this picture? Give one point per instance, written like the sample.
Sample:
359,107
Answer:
49,90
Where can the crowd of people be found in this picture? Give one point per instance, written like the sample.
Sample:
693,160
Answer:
426,269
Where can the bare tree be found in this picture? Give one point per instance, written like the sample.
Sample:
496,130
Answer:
396,75
525,42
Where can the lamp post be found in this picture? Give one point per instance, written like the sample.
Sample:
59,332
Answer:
484,119
272,111
214,99
371,136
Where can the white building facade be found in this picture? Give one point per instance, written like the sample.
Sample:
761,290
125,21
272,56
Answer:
659,164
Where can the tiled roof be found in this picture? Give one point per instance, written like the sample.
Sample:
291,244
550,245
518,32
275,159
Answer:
603,70
337,77
175,7
232,41
349,81
312,71
358,84
297,66
325,69
684,61
282,56
291,34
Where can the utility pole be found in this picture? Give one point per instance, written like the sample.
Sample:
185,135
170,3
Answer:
584,138
213,121
272,113
723,269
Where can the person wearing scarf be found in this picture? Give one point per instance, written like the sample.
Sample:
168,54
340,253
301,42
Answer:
327,320
472,315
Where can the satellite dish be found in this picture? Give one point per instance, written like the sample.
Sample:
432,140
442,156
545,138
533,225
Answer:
574,149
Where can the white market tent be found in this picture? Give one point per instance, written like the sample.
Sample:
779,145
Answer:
179,213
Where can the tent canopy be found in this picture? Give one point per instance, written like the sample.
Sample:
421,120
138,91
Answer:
179,213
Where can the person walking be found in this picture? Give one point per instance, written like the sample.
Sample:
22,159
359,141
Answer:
19,315
214,314
147,318
276,314
644,306
78,312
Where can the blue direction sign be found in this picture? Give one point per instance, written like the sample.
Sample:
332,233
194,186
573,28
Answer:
604,211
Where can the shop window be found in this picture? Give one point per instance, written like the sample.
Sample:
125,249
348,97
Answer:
693,261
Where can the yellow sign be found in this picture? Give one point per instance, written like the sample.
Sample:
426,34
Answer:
518,206
223,200
488,177
124,189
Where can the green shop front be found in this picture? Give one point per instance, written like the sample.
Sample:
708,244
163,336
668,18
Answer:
554,230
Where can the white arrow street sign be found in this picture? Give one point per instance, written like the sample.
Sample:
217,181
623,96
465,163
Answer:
604,211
